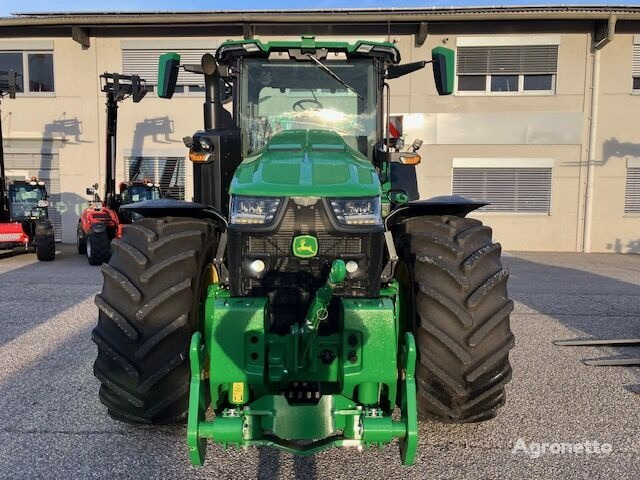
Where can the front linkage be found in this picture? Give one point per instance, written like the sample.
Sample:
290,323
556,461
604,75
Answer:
294,391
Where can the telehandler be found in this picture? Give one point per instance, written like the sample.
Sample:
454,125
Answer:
102,220
301,296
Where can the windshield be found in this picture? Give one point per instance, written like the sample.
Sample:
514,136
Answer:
24,198
277,95
139,193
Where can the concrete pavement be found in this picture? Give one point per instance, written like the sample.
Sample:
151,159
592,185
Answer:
53,426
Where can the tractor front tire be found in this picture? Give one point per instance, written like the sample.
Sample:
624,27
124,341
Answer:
458,298
45,247
97,247
148,311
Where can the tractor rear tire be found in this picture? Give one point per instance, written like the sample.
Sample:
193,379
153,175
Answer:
97,248
148,311
45,248
461,309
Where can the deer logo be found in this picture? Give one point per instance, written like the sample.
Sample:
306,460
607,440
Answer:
305,246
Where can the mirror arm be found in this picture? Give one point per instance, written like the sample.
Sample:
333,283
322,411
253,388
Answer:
396,71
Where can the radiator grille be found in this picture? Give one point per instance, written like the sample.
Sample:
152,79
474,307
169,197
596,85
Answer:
327,245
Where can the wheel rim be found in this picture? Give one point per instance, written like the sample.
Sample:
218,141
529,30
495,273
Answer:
88,247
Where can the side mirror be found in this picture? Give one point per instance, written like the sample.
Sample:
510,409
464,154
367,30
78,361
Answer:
168,66
443,69
91,190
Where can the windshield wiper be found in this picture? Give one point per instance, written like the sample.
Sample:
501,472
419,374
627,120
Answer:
335,77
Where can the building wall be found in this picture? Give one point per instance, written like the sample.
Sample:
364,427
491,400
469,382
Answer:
484,125
518,127
618,141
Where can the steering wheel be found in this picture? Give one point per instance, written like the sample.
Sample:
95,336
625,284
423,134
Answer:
299,105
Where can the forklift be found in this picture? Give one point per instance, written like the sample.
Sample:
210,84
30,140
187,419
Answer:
24,204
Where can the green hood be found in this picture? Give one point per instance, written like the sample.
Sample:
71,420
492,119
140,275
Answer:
304,163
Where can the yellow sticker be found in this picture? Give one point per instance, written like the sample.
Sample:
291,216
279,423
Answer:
237,392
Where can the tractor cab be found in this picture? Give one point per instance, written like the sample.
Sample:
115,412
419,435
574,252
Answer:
26,220
282,88
138,191
133,192
28,200
313,115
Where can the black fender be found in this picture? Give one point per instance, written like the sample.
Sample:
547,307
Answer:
444,205
169,207
44,227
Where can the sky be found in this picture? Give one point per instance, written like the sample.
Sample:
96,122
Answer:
25,6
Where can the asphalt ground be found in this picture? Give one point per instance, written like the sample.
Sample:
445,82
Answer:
53,426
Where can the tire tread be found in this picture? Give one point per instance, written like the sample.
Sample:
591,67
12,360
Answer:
462,310
147,315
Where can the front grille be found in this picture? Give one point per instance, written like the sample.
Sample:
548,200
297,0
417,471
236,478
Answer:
290,282
280,245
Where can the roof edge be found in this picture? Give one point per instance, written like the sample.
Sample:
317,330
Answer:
382,15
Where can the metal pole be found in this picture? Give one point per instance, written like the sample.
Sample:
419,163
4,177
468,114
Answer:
112,122
593,131
591,160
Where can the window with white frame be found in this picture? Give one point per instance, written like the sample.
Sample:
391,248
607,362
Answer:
144,62
167,172
508,185
34,70
499,65
635,73
632,187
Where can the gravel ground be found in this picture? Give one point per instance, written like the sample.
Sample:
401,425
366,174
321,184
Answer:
53,426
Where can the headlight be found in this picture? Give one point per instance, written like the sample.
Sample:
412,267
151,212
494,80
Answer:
253,210
357,211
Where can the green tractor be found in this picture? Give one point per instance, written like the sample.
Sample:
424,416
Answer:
301,295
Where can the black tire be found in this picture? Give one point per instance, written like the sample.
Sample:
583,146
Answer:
97,248
45,248
82,242
458,289
147,315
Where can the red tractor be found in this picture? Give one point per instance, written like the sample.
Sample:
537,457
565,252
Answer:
24,219
102,221
24,204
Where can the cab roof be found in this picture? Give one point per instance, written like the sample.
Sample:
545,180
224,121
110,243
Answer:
232,49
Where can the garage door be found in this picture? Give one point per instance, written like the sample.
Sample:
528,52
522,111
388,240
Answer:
45,166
